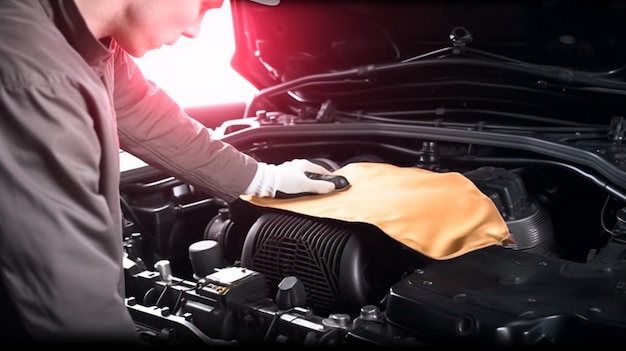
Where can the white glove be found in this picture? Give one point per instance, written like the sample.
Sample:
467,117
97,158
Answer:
288,180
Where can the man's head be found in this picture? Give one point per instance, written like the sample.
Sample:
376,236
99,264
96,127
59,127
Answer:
143,25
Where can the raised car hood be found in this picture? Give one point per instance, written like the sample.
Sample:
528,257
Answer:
275,44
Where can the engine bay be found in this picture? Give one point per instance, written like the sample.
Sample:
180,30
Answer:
199,270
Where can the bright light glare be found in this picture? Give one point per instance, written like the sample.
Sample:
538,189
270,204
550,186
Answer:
197,71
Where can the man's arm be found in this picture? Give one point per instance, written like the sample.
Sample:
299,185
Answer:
154,128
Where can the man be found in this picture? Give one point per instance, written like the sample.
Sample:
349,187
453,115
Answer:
70,98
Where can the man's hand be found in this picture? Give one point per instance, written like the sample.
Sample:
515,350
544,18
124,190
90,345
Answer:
289,179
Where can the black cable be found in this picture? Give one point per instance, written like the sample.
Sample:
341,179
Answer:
271,327
584,137
131,213
570,126
158,301
179,298
602,213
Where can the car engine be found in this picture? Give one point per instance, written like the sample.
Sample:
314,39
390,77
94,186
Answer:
201,271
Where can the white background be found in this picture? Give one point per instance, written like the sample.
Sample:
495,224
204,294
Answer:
197,71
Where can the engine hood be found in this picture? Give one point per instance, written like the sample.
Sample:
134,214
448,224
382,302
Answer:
538,61
296,38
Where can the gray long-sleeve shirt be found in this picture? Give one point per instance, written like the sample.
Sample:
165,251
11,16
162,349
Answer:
68,103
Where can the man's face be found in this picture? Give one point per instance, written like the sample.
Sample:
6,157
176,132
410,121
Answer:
149,24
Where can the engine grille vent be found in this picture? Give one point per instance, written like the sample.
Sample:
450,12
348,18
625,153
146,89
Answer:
281,245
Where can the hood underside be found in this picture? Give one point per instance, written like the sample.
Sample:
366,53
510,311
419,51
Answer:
296,38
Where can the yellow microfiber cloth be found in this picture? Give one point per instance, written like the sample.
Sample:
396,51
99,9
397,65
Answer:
441,215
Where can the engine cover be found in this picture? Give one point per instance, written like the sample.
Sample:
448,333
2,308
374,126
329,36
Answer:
504,297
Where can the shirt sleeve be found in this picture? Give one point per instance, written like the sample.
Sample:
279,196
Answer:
60,250
154,128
